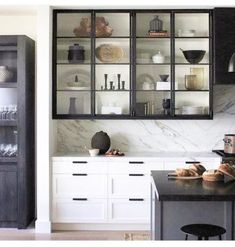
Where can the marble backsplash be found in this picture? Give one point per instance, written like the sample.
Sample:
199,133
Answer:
155,135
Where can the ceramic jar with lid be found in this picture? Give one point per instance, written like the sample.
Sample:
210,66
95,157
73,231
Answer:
5,74
76,54
158,57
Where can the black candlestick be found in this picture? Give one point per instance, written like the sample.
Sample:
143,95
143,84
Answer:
105,81
119,83
123,85
111,85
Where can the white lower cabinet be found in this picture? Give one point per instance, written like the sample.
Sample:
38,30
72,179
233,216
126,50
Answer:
129,210
108,191
80,210
128,185
80,184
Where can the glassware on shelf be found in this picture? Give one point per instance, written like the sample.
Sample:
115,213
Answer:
199,72
195,81
8,112
72,105
8,150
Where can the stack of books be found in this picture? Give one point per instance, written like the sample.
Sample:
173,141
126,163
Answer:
162,33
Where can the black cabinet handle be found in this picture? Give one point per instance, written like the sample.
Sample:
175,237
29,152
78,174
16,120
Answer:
79,174
79,199
136,162
192,162
79,162
136,175
136,199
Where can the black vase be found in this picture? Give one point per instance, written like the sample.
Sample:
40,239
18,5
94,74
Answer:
101,141
76,54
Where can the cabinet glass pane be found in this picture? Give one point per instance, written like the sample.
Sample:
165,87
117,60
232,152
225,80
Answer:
153,51
153,25
73,77
112,24
151,103
73,50
192,103
153,77
191,44
113,103
8,64
118,77
112,50
73,25
192,77
73,102
191,24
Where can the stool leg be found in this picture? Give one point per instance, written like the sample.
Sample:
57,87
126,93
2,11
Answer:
220,237
186,237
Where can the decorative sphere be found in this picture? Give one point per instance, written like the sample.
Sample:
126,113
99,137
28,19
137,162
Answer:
101,141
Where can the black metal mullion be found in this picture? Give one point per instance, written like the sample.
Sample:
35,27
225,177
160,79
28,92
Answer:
172,64
93,72
133,81
211,55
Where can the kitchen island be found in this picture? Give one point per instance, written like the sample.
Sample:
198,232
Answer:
175,203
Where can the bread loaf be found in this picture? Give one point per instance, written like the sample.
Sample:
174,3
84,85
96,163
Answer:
227,169
213,175
198,168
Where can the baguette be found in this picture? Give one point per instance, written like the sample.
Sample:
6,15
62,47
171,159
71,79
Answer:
213,176
227,169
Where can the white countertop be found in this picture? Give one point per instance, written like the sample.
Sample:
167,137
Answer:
140,155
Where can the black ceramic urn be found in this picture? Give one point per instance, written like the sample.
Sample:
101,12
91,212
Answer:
76,54
101,141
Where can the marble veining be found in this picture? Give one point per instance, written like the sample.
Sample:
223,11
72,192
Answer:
156,135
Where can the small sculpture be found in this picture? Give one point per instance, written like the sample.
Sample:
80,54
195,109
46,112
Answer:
102,28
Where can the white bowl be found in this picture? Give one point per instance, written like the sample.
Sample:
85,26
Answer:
93,152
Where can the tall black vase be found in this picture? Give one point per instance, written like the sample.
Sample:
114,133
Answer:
101,141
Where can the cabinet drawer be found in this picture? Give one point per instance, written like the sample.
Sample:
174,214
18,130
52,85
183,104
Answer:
126,167
80,184
89,167
132,185
135,210
79,211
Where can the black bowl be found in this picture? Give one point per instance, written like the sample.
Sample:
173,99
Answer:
194,56
164,77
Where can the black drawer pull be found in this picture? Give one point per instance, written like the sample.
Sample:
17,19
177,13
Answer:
136,199
192,162
79,199
79,162
79,174
135,175
136,162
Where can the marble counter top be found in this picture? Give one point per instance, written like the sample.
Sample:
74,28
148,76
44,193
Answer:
143,155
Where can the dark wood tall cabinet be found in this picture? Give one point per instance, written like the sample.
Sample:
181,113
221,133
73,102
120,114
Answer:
224,44
17,131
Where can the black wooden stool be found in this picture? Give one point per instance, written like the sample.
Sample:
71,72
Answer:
203,231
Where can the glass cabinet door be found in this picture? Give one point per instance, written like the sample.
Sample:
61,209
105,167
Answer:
192,64
73,63
152,89
112,64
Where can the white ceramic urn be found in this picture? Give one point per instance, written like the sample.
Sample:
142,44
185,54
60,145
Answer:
158,58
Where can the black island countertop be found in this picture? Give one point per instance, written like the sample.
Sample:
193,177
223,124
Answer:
168,189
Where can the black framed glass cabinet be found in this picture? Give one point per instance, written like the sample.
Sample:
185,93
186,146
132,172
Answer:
132,64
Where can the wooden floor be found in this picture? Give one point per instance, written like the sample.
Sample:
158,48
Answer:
29,234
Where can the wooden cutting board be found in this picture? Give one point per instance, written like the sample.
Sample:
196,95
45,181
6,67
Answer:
175,176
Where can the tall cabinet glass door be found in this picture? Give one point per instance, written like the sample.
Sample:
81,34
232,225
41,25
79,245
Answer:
112,63
153,64
73,64
192,60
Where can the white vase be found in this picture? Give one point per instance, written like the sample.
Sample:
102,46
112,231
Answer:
5,74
